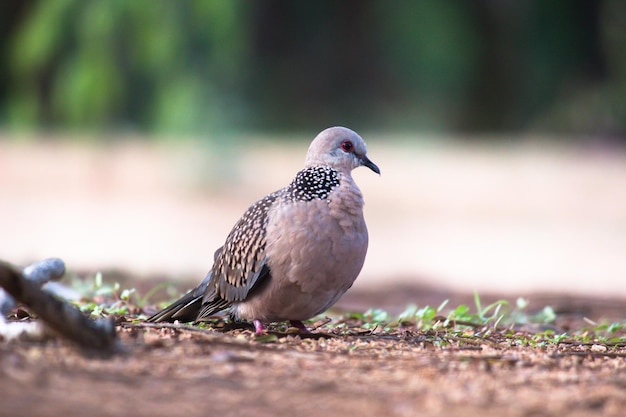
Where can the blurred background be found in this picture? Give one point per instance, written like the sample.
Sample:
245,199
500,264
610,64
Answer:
133,134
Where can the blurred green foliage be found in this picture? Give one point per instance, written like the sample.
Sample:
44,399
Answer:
157,65
194,66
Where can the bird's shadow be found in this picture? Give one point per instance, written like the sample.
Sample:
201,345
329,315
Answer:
233,326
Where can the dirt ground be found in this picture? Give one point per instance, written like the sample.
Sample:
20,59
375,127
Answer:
402,372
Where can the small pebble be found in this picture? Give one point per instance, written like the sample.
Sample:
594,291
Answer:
598,348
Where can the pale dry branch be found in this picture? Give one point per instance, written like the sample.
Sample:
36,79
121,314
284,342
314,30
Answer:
65,319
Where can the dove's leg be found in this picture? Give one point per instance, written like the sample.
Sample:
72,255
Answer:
258,326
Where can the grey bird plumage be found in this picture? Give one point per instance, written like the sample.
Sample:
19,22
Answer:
295,252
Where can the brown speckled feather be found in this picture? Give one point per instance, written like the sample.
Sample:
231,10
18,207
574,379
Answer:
241,261
237,268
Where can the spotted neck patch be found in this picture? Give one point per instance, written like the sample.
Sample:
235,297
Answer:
313,183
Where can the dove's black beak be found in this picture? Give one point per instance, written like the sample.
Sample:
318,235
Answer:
367,163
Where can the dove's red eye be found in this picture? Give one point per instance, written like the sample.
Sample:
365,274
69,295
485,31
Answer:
347,146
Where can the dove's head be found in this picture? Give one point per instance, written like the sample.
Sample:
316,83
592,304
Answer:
339,148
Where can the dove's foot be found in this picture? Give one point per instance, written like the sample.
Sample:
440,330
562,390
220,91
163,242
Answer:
258,327
299,325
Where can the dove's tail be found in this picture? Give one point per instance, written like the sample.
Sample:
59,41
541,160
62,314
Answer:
186,308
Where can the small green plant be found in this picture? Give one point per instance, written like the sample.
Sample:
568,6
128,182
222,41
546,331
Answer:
424,318
100,299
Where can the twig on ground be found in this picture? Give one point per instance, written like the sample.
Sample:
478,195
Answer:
175,326
97,336
213,332
39,273
589,354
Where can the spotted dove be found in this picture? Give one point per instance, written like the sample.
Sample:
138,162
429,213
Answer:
294,253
